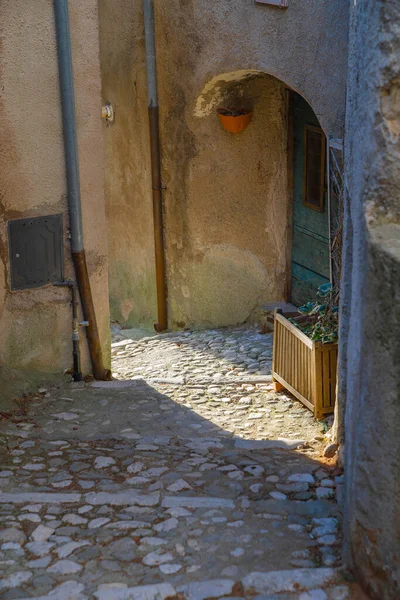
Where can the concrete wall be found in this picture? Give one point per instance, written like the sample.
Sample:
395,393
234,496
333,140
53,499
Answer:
226,196
35,325
371,298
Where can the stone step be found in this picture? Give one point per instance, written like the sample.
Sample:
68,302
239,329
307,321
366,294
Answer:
294,584
285,307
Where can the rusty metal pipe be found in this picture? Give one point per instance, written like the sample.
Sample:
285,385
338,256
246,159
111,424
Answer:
73,184
92,332
158,219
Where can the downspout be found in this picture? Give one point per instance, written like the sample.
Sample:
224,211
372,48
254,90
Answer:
73,185
158,221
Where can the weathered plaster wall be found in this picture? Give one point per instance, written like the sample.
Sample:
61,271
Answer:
224,200
127,164
35,325
372,298
226,251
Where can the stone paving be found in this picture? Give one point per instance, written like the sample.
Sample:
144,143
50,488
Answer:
187,478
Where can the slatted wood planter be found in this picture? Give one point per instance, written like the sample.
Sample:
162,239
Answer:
305,368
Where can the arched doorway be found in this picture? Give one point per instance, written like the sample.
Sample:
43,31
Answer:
310,246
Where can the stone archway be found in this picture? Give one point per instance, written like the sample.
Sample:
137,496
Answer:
213,92
234,207
278,183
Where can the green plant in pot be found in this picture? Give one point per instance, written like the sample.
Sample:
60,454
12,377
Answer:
320,320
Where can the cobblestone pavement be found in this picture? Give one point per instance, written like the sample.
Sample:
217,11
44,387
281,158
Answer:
193,480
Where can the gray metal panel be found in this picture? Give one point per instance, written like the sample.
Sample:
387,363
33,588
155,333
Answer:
36,251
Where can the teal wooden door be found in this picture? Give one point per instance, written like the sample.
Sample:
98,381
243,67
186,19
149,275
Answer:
310,245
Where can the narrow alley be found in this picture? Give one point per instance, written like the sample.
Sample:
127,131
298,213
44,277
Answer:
187,477
199,275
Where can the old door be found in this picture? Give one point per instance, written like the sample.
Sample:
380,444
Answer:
310,245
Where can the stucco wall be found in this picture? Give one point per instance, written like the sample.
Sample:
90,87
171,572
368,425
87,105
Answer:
371,298
127,164
225,199
35,325
226,250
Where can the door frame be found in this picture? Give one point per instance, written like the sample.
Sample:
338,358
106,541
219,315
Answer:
331,143
290,184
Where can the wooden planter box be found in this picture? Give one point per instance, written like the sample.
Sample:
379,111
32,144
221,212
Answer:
306,368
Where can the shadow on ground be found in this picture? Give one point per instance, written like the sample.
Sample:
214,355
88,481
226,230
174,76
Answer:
135,488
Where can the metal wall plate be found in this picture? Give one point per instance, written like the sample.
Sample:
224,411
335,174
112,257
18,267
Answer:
36,251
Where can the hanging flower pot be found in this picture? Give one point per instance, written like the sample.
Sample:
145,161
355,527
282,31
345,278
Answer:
234,121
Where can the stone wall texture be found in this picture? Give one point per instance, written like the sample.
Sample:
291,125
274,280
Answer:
35,325
371,298
226,196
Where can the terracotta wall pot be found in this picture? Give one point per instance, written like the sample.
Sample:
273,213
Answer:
235,124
